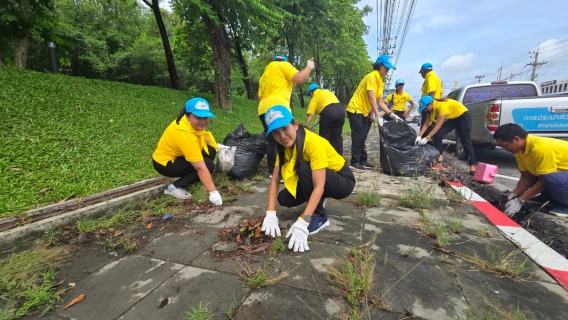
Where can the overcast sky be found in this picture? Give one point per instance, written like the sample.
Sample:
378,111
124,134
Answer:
463,39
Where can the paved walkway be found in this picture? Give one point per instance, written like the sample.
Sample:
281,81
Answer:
178,270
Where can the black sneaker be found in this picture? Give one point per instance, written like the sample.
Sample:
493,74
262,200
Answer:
557,211
357,167
318,223
367,165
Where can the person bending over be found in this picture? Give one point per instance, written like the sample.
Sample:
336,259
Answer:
312,171
543,163
187,151
332,115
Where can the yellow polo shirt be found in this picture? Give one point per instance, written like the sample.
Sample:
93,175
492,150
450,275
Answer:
359,103
317,151
450,108
400,100
182,140
431,83
543,155
320,100
275,85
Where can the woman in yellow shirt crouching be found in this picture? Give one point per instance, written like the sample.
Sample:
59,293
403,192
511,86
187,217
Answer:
312,171
186,150
448,114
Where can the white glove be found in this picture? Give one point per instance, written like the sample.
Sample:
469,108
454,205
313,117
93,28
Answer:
215,198
511,196
396,118
311,64
270,224
418,138
513,206
299,232
422,141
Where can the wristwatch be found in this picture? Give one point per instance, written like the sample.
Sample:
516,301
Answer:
306,217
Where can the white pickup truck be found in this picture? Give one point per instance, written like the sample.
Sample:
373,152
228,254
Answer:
521,102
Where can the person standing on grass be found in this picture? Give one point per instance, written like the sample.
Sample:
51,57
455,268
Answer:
367,96
187,151
312,171
432,86
275,88
398,100
332,115
543,163
448,114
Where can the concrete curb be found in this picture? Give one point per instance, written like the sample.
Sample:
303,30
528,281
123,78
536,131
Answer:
552,262
91,210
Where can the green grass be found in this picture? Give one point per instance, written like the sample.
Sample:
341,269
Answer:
202,312
67,137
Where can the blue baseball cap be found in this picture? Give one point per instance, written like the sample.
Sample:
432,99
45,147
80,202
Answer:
426,66
279,57
312,87
277,117
199,107
399,81
424,101
385,60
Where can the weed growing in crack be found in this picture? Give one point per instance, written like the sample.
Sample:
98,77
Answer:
512,264
454,196
260,277
368,199
491,311
407,251
277,246
484,232
418,197
202,312
455,225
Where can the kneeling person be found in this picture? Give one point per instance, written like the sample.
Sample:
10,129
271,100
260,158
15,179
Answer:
187,151
312,171
543,163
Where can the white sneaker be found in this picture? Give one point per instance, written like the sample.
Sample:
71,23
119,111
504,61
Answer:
179,193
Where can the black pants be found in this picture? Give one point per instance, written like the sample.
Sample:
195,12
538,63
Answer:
398,113
270,147
332,119
360,126
184,169
338,185
462,124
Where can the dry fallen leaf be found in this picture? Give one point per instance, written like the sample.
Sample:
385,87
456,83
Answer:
42,191
245,247
149,225
257,232
75,301
185,233
16,169
239,239
118,232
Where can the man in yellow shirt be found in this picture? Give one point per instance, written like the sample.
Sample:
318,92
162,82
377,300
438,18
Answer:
367,96
432,86
543,163
275,88
332,115
398,100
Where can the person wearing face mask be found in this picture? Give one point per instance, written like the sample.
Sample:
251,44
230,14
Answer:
187,151
364,102
312,172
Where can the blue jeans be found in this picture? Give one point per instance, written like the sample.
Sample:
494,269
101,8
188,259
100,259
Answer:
556,184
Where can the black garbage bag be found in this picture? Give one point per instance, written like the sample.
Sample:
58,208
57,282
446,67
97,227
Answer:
399,155
250,151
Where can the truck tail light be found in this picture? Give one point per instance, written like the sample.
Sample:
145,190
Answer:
492,117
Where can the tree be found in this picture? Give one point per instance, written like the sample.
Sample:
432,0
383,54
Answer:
155,6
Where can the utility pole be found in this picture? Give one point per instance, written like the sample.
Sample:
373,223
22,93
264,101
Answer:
535,64
500,69
479,77
513,75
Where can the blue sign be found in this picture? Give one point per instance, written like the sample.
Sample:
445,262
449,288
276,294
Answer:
540,119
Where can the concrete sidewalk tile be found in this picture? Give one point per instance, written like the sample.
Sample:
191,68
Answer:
226,216
310,270
83,262
538,300
225,257
424,288
282,302
117,286
392,215
396,238
187,288
182,246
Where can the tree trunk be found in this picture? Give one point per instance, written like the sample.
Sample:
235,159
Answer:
221,61
318,67
301,96
243,64
155,6
291,60
21,52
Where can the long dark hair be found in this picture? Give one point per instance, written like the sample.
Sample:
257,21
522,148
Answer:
300,139
181,114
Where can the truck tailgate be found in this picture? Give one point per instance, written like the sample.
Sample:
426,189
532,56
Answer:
543,116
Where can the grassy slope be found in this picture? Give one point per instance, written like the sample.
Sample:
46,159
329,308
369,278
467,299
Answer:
66,137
